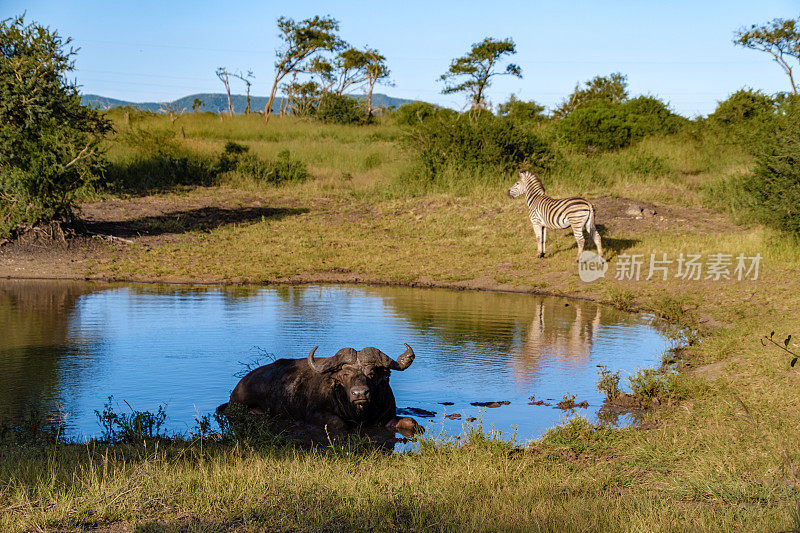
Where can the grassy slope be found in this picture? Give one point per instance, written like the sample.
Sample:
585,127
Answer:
720,459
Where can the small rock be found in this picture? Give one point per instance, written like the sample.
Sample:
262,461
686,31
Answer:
633,210
446,403
649,212
490,404
454,416
471,419
415,411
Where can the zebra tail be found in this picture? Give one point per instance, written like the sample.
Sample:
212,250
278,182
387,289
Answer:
590,227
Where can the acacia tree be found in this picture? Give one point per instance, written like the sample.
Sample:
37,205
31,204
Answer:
301,41
49,142
222,74
472,73
350,66
779,38
246,79
373,66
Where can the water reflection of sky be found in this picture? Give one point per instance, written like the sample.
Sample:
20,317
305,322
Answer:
151,345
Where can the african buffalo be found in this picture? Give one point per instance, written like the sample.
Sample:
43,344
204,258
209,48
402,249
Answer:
341,393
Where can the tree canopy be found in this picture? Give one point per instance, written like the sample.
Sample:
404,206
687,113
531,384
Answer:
472,73
779,38
301,42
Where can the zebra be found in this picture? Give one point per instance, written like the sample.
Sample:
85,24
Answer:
556,213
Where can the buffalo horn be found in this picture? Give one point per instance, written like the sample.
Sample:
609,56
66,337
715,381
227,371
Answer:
404,361
317,368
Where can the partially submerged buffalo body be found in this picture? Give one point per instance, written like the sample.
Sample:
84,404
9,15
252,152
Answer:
346,392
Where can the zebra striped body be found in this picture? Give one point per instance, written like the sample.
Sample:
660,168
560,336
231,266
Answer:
556,213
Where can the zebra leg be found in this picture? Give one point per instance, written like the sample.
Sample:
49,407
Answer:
578,232
598,242
539,231
544,240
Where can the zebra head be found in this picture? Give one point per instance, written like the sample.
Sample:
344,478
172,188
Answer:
526,180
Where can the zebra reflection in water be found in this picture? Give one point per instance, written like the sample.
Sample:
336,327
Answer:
555,335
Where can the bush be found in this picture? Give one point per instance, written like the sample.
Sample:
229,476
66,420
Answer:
340,109
415,113
743,106
772,192
604,125
608,383
485,144
49,142
520,111
599,126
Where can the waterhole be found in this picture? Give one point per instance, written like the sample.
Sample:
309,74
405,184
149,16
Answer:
73,345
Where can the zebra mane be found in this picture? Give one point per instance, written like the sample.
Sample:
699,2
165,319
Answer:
530,177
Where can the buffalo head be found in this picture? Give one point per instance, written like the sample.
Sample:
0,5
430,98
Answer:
362,377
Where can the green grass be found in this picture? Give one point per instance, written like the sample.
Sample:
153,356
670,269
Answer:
720,454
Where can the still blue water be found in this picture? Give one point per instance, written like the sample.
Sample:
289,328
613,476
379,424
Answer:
186,347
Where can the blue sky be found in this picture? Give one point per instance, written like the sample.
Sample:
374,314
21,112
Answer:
680,51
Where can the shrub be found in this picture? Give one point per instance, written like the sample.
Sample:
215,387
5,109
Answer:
283,169
742,106
49,142
650,116
603,125
600,126
415,113
520,111
612,89
608,383
484,143
340,109
772,192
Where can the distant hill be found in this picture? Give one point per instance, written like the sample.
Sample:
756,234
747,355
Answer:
217,102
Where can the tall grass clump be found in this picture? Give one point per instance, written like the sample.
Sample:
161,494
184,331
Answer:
235,158
153,159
